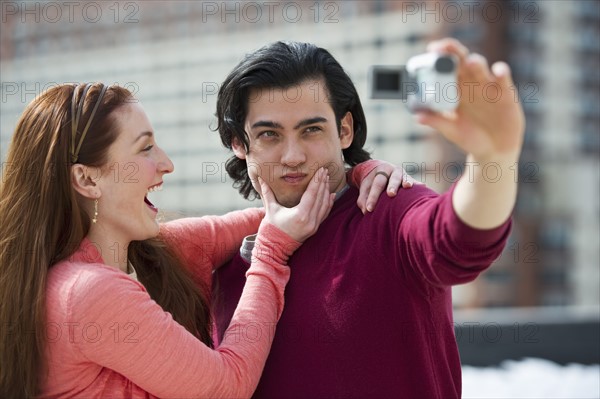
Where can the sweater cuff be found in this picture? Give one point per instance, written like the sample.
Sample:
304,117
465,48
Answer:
269,257
480,237
358,173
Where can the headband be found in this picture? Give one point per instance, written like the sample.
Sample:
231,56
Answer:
75,117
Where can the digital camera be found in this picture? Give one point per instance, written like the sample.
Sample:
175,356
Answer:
428,82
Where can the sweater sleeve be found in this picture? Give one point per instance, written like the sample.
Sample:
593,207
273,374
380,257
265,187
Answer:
135,337
440,247
357,174
205,243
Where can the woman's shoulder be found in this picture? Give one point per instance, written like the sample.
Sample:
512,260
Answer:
77,272
84,282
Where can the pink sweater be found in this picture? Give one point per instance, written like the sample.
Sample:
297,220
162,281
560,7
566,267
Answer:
108,339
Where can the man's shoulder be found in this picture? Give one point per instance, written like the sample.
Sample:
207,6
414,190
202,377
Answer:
401,202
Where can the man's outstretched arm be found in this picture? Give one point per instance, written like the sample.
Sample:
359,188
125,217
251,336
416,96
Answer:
488,125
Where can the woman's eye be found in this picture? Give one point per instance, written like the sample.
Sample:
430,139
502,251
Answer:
148,148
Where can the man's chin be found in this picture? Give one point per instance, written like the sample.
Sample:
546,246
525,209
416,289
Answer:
289,195
289,201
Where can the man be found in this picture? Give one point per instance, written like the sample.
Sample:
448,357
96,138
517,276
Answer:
368,309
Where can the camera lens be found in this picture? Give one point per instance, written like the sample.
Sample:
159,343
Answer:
444,64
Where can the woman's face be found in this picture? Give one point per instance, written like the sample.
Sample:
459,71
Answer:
135,167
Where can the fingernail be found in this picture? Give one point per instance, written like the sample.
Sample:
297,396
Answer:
369,208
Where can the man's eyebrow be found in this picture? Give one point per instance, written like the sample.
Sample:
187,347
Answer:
310,121
270,124
143,134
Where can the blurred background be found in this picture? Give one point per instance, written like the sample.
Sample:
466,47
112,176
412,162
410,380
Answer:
541,298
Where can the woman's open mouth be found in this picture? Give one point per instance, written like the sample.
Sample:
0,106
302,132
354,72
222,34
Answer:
157,187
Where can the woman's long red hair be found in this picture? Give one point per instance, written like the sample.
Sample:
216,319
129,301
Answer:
42,223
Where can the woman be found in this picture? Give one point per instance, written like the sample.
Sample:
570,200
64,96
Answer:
97,299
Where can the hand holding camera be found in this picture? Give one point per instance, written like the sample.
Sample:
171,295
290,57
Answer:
449,90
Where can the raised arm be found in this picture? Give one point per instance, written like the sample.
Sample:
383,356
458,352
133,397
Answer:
209,241
145,345
163,358
437,245
490,130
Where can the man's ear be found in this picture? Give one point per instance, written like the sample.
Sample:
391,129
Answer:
238,148
346,130
84,178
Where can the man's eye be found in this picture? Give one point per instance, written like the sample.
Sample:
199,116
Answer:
267,133
148,148
313,129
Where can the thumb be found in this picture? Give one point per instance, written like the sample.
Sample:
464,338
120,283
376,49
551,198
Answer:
266,193
443,122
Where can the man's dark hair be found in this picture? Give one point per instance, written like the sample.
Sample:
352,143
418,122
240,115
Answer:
282,65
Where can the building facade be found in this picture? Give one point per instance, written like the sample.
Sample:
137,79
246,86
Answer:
173,56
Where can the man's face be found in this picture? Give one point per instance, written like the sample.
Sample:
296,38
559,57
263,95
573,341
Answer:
292,133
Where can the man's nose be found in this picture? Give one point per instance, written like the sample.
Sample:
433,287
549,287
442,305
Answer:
293,154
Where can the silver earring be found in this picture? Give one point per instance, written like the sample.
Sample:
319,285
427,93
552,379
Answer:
95,218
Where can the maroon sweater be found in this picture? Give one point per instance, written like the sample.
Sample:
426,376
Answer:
368,309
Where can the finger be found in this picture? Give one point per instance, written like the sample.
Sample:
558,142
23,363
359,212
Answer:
379,184
449,45
503,75
266,194
443,122
363,192
395,182
253,175
326,204
322,204
410,181
407,181
320,196
308,198
477,68
327,209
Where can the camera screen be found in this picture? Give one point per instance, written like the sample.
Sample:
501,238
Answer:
387,81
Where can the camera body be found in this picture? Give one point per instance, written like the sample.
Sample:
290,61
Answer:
428,82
